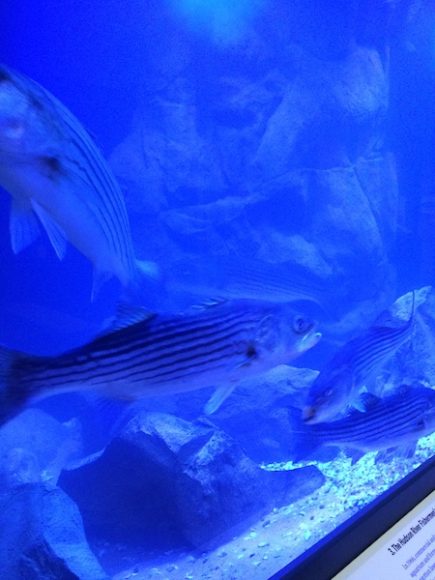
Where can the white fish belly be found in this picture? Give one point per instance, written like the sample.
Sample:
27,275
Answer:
76,219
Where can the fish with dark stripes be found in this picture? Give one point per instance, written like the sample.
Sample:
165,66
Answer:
148,355
58,178
338,385
397,420
234,277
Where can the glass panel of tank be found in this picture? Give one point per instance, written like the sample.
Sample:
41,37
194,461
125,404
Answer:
217,313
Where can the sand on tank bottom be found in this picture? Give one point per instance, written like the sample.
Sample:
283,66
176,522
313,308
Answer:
285,533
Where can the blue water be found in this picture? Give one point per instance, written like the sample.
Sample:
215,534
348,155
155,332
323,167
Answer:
286,132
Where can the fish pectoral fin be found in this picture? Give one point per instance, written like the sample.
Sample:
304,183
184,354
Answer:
55,233
404,451
76,464
355,455
23,225
218,397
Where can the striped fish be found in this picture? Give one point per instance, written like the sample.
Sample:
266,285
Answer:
397,420
234,278
339,383
58,178
154,355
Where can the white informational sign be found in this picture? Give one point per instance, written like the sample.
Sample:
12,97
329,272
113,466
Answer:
405,552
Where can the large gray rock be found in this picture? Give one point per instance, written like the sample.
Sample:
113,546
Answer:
172,482
36,447
270,150
324,118
256,415
42,537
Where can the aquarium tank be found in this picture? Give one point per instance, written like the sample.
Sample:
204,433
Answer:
217,248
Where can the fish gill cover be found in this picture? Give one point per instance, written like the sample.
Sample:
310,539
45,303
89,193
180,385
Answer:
275,161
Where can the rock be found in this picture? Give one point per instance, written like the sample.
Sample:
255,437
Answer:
19,466
256,413
36,447
42,537
325,105
285,165
175,482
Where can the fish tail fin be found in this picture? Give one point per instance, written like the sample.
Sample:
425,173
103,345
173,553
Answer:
12,397
145,279
142,279
304,441
132,280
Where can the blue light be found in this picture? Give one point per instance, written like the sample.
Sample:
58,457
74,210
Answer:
224,21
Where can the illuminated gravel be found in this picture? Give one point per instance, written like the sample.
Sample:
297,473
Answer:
280,536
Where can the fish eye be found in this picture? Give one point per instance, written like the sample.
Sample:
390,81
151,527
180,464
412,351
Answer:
308,413
301,324
251,351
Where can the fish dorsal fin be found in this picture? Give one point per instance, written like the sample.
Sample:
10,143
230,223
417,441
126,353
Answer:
210,303
127,315
23,225
386,318
412,305
403,390
354,411
368,401
55,233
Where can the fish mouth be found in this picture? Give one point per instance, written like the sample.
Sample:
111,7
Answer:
309,414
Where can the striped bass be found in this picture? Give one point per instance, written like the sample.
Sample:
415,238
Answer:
58,178
397,420
153,355
233,277
339,383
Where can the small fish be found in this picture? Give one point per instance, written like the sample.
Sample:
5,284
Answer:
58,178
397,420
236,278
338,384
153,355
